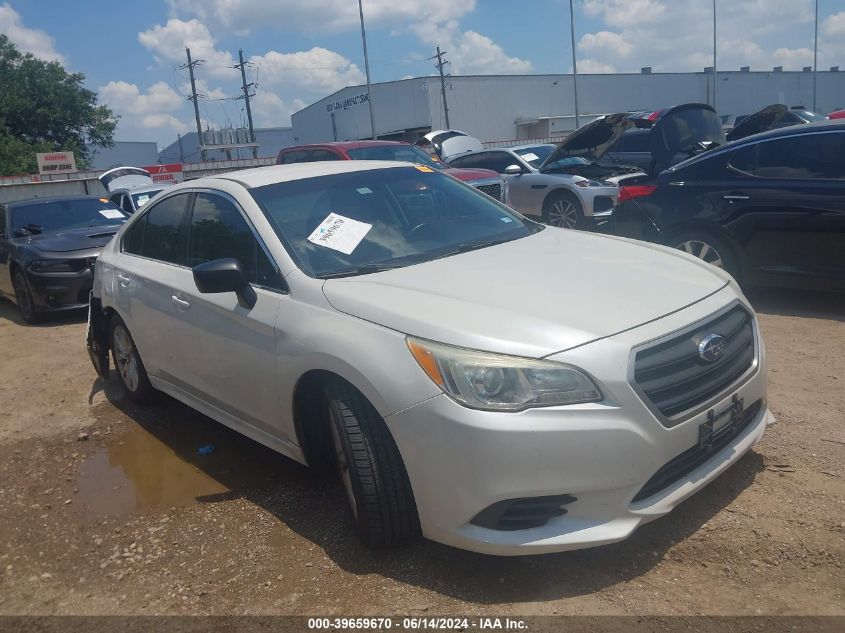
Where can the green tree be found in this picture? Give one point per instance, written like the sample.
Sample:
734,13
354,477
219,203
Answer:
43,108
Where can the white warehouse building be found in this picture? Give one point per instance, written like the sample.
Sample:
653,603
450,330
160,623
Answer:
507,107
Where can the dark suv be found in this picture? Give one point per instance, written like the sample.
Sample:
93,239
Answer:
769,208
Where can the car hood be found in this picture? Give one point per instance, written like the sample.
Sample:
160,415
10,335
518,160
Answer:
692,126
72,239
125,178
592,140
532,297
470,175
760,121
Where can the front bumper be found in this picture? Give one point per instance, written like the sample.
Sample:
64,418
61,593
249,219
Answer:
462,461
60,291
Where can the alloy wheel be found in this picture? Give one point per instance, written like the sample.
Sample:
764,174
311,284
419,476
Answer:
23,297
563,214
125,359
702,250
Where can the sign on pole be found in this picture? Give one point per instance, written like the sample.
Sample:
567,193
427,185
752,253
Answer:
56,162
171,172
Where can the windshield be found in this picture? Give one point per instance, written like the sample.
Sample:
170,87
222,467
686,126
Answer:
809,116
56,215
534,156
407,153
140,199
364,221
567,161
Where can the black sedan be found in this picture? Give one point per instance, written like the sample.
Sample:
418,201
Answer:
48,247
769,208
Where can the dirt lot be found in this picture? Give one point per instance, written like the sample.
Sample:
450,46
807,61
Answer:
106,508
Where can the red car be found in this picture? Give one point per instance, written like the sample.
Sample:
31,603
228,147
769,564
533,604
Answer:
837,114
484,180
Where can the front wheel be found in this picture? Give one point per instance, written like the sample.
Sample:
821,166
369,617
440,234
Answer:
563,210
370,468
130,370
24,300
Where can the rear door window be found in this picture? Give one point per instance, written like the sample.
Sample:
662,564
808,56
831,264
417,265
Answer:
799,157
472,161
324,154
161,233
499,161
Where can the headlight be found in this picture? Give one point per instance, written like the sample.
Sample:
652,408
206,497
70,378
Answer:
591,183
494,382
57,265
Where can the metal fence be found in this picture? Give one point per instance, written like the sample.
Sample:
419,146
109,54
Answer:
524,141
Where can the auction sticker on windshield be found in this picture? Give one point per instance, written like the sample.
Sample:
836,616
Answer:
111,214
339,233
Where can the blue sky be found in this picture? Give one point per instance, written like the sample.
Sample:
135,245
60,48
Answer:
303,50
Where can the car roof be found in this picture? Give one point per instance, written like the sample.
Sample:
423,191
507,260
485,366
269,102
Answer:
260,176
343,145
48,199
145,189
790,130
526,146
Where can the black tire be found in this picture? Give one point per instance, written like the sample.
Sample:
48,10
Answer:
23,299
134,380
378,489
563,210
715,249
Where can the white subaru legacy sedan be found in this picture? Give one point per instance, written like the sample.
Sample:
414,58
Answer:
475,377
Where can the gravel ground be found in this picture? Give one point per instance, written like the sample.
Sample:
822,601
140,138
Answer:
108,508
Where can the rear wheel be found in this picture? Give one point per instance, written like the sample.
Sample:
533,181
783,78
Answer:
370,469
709,248
563,210
23,298
130,370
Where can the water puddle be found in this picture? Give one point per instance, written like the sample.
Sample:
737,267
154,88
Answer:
155,464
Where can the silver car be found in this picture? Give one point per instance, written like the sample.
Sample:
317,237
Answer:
475,377
560,199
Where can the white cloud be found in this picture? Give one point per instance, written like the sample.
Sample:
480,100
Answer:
28,40
268,109
677,35
145,113
308,16
592,66
470,52
168,42
317,70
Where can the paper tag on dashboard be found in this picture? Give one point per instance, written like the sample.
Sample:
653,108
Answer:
339,233
112,214
529,157
142,200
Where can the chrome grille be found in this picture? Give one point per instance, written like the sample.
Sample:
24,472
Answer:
672,377
494,190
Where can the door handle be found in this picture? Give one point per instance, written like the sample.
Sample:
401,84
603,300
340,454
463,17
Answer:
180,303
124,280
732,196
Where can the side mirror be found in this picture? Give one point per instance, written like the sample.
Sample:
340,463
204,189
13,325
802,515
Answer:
513,170
225,275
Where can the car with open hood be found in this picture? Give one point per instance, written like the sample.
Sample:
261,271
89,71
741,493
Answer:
376,317
564,200
485,180
768,207
444,144
130,188
48,248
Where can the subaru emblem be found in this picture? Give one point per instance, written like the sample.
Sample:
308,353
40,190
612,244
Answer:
711,347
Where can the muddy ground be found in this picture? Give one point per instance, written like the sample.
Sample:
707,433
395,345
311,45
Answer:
106,508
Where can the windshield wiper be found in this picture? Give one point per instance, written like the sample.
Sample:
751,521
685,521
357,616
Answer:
363,269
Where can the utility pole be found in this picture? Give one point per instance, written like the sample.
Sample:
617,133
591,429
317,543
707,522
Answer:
190,66
714,55
574,64
815,54
367,68
242,66
439,65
